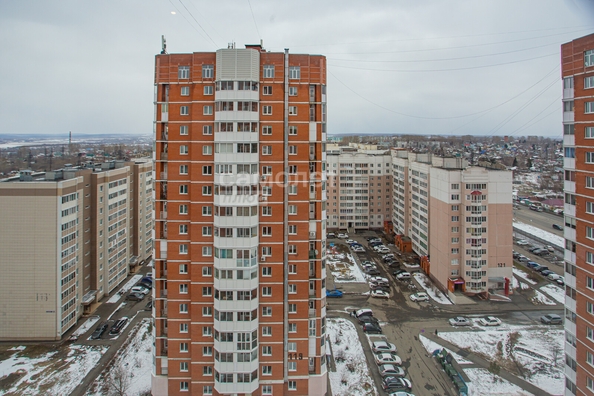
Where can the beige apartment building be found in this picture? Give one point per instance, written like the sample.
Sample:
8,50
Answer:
359,186
68,239
459,220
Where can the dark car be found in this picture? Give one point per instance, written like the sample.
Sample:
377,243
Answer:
533,248
118,326
373,271
396,383
557,227
546,272
135,296
532,264
99,331
368,319
372,328
542,268
395,273
551,319
372,244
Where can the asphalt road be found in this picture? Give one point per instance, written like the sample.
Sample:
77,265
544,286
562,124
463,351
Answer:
403,321
542,220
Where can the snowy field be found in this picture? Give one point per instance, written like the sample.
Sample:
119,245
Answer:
131,369
32,370
86,326
344,268
553,239
352,374
431,290
555,292
431,347
484,383
536,350
521,285
522,274
116,297
540,299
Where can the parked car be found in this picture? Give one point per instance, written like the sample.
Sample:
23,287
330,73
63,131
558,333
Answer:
418,297
383,250
388,260
522,242
135,296
140,289
523,259
396,383
375,243
550,248
333,293
330,235
546,272
118,326
379,279
553,277
383,346
551,319
367,262
532,264
557,227
362,312
388,358
490,321
343,236
383,287
561,281
379,293
403,276
368,319
395,273
400,393
99,331
391,370
372,328
540,251
389,255
460,321
516,255
541,268
533,248
373,271
358,249
373,240
350,241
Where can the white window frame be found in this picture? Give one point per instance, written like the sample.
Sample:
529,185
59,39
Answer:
268,71
292,91
267,110
183,130
206,150
292,110
208,90
183,149
185,91
183,72
184,110
266,130
207,110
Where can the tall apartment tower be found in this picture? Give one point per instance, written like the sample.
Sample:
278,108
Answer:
67,240
577,68
240,223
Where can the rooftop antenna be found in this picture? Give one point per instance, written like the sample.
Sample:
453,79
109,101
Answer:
163,45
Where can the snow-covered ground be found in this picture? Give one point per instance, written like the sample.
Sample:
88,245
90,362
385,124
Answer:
541,299
555,292
116,297
86,326
131,368
47,371
522,274
344,268
537,349
431,290
485,383
521,285
352,373
431,346
553,239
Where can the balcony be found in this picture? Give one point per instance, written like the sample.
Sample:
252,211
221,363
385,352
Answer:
313,254
163,157
312,312
163,313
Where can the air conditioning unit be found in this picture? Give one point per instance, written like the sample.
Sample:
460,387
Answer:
263,258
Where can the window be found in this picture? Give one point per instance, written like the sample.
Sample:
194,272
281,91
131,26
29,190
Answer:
292,366
456,240
266,251
568,106
266,191
208,90
207,110
293,150
207,150
589,107
455,186
183,189
266,271
266,370
292,289
292,249
267,390
266,330
183,130
266,231
568,129
266,311
206,190
589,58
267,90
293,229
455,197
292,91
207,370
267,351
266,110
294,72
292,269
589,157
183,288
183,72
207,331
455,218
588,82
292,110
207,311
292,385
207,71
183,249
568,82
292,308
569,152
293,130
268,71
207,231
292,189
455,229
183,386
183,327
293,169
589,333
206,251
292,327
292,209
183,149
589,132
183,308
589,283
267,130
206,211
183,347
267,291
183,110
183,209
207,130
589,383
455,250
267,150
185,91
266,210
183,268
207,170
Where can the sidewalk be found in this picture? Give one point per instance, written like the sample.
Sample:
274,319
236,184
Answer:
482,363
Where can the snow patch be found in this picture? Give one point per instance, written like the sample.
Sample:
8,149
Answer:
541,299
555,292
431,290
522,274
116,297
86,326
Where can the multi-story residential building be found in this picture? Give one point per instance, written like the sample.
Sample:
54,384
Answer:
359,187
577,69
65,243
459,219
240,223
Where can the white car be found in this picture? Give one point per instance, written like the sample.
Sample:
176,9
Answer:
139,289
383,347
343,236
384,250
460,321
378,279
388,358
359,249
417,297
553,277
380,294
403,276
490,321
522,242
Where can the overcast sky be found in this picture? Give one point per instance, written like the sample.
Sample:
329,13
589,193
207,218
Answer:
479,67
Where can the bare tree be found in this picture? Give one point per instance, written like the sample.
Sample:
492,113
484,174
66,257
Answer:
118,381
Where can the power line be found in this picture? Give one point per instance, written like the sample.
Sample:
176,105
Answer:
525,126
187,20
198,23
443,118
254,18
452,69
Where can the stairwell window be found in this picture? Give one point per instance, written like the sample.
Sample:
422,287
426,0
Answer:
268,71
207,71
185,91
294,72
183,72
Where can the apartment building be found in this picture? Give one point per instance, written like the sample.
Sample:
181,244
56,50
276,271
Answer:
577,69
459,220
240,223
65,243
359,187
